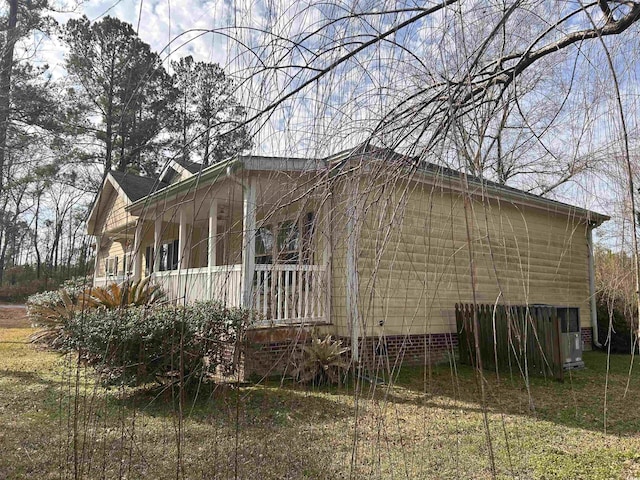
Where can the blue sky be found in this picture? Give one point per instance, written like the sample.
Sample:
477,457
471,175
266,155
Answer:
157,23
340,110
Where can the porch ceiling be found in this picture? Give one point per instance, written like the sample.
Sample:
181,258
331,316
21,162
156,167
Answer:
273,190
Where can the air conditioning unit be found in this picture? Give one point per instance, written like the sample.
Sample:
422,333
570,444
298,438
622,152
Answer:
570,337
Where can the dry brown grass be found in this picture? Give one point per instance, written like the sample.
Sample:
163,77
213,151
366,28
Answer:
13,316
56,423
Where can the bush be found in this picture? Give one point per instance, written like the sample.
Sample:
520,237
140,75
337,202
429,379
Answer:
321,362
73,287
138,345
54,309
622,336
129,293
20,291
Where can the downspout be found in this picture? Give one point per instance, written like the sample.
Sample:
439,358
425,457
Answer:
592,288
352,285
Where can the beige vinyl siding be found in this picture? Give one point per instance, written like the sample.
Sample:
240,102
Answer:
115,216
414,263
115,250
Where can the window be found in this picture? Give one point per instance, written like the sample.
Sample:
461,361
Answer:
148,260
111,266
288,242
169,256
127,264
264,244
308,231
284,243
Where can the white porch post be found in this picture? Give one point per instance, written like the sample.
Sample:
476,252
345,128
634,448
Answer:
212,252
97,260
157,243
136,255
248,244
183,234
184,250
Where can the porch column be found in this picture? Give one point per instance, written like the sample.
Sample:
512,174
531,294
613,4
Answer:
248,244
212,247
157,242
136,255
98,259
183,237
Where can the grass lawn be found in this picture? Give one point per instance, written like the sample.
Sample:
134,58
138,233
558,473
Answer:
56,423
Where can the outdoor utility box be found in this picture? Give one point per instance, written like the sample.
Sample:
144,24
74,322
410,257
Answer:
570,337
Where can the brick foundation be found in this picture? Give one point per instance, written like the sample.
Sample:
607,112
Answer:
269,352
587,338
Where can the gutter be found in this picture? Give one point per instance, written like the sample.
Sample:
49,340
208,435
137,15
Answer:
503,193
452,180
592,288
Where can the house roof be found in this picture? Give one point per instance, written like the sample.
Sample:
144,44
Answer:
188,165
453,177
134,186
446,176
130,186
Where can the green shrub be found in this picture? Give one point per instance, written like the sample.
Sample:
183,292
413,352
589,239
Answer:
622,337
321,362
138,345
53,310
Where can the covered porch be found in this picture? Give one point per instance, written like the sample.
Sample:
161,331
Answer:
249,242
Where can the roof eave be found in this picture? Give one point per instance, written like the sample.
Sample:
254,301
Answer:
523,198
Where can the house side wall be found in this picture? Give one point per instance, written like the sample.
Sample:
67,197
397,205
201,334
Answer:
114,215
414,261
115,249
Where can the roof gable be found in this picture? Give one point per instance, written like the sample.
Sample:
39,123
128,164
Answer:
128,186
177,170
135,187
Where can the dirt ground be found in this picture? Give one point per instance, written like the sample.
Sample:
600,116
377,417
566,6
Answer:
13,316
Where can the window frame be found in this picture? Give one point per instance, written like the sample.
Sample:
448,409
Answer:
303,225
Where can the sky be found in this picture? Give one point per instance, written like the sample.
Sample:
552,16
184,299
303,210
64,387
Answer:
157,22
340,110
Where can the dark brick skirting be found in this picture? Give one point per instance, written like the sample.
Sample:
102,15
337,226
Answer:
270,352
587,338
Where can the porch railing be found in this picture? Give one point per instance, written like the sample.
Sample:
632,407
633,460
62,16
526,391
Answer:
221,282
289,293
282,294
107,280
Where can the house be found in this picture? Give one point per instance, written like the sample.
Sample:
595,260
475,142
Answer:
373,247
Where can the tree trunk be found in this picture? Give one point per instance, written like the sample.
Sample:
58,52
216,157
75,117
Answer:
109,121
6,67
35,237
207,143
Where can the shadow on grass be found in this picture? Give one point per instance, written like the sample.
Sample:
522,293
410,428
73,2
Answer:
27,377
257,405
578,402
